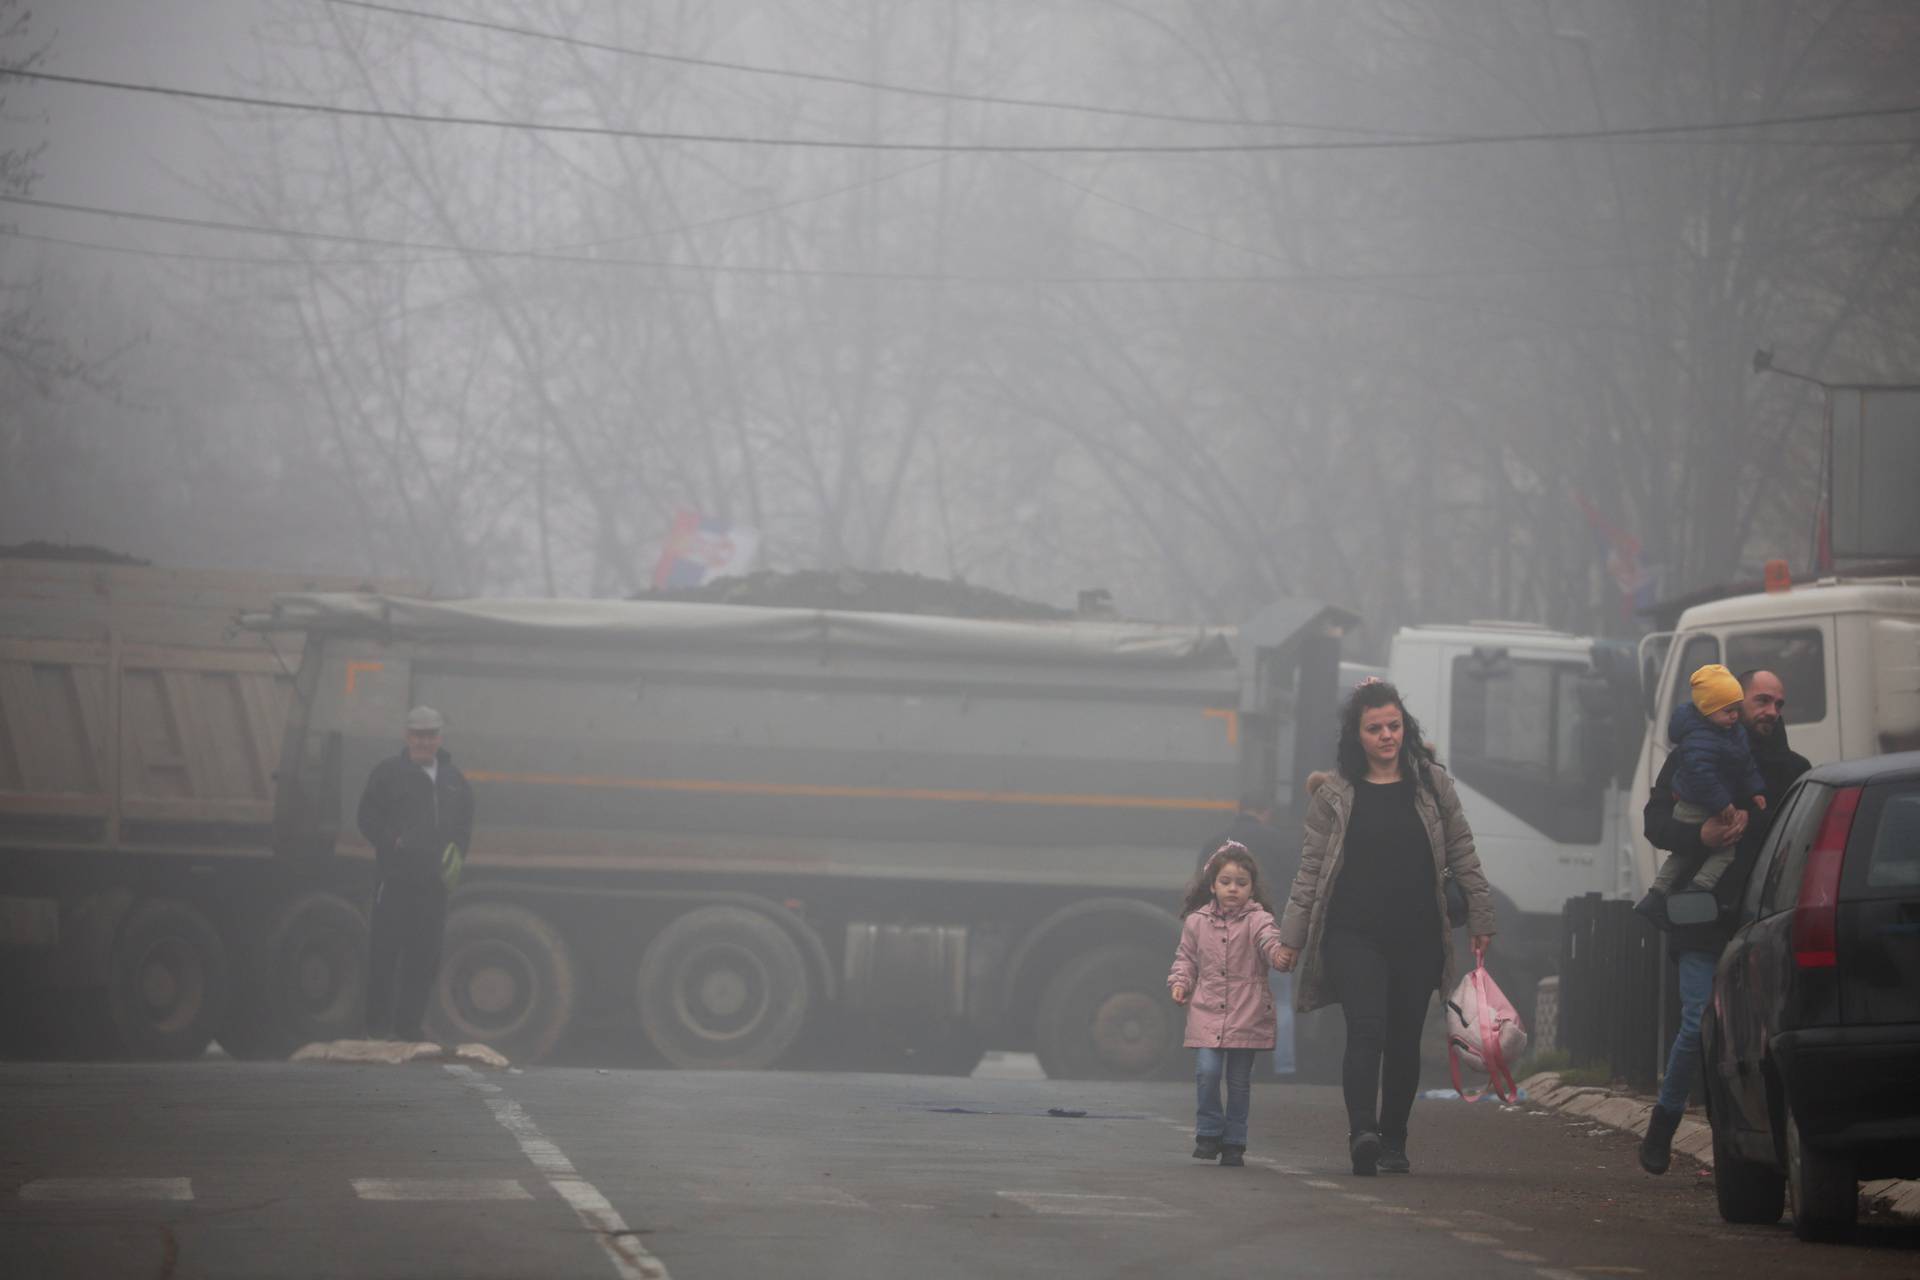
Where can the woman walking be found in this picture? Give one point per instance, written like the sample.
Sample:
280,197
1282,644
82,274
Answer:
1366,923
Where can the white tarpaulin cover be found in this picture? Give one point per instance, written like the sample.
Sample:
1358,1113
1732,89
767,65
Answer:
668,625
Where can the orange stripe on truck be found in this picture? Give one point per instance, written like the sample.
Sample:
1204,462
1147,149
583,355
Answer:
716,786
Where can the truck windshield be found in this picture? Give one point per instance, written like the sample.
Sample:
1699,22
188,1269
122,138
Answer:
1516,740
1797,656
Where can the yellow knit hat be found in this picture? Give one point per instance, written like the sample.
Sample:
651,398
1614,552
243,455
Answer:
1714,689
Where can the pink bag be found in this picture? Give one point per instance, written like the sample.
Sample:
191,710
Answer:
1484,1028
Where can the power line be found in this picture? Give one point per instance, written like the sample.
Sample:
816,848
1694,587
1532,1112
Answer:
838,144
454,252
882,86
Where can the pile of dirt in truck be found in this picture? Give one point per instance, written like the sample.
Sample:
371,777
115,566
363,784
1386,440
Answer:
873,591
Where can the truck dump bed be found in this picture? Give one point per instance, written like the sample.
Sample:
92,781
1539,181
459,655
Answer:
134,714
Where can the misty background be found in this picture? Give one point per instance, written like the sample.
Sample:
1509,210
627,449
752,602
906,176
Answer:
1299,301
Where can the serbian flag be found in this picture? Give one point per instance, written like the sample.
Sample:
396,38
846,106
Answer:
1637,580
699,549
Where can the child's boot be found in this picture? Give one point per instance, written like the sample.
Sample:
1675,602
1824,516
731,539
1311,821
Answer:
1653,907
1231,1156
1206,1146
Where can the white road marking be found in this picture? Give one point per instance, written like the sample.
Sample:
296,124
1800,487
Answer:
1064,1204
629,1257
1322,1183
107,1189
1476,1237
1363,1199
439,1189
1393,1208
1505,1224
1554,1273
1520,1255
1445,1223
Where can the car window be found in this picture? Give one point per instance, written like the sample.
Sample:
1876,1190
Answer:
1792,838
1762,875
1697,652
1895,860
1798,656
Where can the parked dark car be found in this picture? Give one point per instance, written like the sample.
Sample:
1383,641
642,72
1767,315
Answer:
1812,1041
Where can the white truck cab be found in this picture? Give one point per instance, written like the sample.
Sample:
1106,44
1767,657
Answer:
1847,650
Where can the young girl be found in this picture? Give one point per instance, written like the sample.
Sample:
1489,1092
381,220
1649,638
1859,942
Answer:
1227,940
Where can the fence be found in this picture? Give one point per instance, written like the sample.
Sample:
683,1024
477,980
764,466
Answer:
1614,1008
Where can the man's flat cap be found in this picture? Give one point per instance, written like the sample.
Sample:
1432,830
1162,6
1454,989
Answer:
425,720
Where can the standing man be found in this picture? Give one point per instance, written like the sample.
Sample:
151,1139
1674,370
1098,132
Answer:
1253,827
1696,948
417,813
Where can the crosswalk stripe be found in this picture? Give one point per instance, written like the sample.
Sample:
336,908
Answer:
107,1189
1073,1205
439,1189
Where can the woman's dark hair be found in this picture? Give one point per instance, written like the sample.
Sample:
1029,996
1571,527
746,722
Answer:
1200,888
1415,754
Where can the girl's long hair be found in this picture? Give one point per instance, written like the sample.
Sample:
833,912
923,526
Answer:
1416,756
1200,888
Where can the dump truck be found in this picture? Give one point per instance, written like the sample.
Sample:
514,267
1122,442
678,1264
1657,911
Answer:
747,835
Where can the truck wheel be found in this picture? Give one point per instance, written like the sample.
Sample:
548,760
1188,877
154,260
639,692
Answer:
167,982
722,987
506,980
1821,1187
308,981
1106,1016
1747,1190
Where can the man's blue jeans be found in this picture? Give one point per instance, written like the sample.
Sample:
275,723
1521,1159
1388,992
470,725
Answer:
1696,988
1281,984
1210,1067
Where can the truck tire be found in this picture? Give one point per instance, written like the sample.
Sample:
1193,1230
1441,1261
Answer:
722,987
1106,1016
166,980
307,980
1747,1191
506,980
1820,1187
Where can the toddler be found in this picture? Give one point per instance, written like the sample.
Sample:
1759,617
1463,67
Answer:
1227,941
1716,765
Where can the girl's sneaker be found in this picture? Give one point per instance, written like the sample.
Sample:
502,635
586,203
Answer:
1393,1160
1364,1147
1206,1146
1232,1157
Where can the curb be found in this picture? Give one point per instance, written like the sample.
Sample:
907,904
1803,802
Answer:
1694,1138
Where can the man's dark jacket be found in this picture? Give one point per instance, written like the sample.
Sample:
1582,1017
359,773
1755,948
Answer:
1779,765
400,818
1271,853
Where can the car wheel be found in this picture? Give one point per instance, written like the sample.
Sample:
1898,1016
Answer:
1106,1016
1824,1193
1747,1190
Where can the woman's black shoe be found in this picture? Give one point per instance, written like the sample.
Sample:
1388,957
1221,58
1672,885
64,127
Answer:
1232,1157
1206,1147
1393,1160
1364,1147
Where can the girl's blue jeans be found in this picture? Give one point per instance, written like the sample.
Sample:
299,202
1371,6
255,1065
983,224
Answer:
1235,1067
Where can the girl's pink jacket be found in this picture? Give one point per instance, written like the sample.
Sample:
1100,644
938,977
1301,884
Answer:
1222,960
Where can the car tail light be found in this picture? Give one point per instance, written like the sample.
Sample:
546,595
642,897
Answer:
1816,915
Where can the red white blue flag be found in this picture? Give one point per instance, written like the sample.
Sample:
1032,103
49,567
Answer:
701,548
1638,581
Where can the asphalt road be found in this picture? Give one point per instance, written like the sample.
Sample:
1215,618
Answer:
219,1168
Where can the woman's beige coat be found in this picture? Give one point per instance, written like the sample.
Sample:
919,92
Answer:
1305,919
